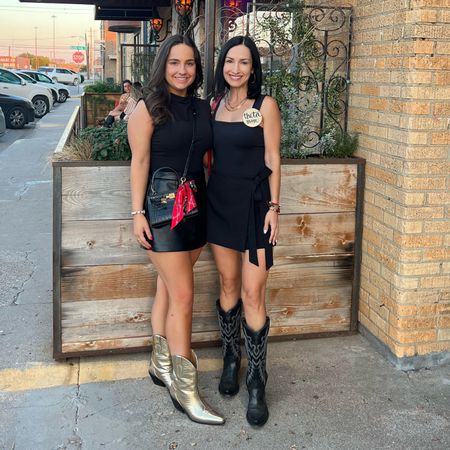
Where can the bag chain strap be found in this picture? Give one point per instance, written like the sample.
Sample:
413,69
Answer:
188,160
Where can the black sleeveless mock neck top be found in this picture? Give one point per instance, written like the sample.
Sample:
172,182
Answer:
171,141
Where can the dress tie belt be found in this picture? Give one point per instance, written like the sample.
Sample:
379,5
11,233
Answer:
256,195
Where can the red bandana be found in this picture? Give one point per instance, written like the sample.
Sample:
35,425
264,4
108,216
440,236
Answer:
184,203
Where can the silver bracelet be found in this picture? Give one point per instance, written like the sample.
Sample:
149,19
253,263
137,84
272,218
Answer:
139,211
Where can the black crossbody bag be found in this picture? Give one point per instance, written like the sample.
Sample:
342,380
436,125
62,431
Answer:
163,187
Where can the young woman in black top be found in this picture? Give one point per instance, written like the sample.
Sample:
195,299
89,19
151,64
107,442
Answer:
160,132
242,213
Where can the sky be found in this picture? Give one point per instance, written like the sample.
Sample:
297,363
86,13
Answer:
18,22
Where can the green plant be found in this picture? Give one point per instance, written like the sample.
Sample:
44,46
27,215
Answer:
101,87
98,144
344,146
311,100
108,144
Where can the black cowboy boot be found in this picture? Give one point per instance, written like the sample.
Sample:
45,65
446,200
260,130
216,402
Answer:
230,331
256,345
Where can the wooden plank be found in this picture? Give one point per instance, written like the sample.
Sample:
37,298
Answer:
321,297
106,345
307,329
101,312
106,282
91,193
310,274
333,320
136,310
134,281
143,342
96,192
317,188
202,321
101,242
290,317
90,314
125,281
312,234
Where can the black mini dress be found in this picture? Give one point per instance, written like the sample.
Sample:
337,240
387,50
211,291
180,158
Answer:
169,148
238,189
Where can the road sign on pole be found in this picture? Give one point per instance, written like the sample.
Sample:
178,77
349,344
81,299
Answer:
78,57
78,47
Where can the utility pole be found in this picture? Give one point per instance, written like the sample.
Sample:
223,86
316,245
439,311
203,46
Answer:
87,56
35,48
92,52
54,57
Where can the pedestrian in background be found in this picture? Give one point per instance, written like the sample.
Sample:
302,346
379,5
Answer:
135,95
123,101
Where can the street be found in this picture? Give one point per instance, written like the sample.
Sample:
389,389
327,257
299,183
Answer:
332,393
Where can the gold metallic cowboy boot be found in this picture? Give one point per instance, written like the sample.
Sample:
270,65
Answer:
184,392
160,362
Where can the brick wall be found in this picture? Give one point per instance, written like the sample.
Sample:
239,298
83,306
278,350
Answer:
400,105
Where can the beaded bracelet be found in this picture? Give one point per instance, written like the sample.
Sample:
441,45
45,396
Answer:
273,206
139,211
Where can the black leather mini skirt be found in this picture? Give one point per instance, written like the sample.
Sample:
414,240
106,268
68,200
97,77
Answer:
189,234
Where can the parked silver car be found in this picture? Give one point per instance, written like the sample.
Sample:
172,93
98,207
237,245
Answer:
63,91
2,123
60,75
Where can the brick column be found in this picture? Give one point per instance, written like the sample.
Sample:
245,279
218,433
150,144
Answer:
400,105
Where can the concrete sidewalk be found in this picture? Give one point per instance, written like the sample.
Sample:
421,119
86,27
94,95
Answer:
334,393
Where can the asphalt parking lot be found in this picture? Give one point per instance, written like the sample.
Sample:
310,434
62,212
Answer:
12,136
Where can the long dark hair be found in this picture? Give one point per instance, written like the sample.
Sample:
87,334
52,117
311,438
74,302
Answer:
158,96
254,86
123,85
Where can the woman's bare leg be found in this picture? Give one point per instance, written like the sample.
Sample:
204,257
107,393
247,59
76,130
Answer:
254,279
160,308
228,263
175,270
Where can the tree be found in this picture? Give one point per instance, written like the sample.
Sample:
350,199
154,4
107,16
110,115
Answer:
41,60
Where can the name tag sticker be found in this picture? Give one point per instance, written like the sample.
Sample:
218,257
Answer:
252,117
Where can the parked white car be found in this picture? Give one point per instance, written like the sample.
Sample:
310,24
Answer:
28,79
63,91
60,75
12,84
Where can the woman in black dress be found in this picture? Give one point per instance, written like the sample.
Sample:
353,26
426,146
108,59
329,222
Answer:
160,131
242,213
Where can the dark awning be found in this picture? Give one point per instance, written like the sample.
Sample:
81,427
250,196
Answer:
115,9
117,4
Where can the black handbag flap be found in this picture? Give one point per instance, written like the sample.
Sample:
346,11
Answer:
165,180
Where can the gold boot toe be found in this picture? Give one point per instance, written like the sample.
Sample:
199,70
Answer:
185,395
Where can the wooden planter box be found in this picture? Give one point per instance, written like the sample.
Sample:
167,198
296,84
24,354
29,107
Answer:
96,106
104,284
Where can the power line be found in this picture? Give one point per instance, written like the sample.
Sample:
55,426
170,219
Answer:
44,38
25,9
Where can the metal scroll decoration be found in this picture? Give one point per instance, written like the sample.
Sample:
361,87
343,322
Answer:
304,50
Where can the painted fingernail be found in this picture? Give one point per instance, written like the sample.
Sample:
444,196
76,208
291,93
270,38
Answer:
265,231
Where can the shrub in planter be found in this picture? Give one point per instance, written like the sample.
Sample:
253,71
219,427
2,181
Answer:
98,144
101,87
